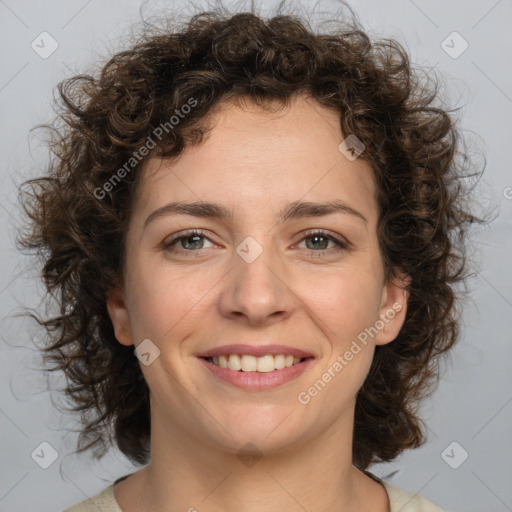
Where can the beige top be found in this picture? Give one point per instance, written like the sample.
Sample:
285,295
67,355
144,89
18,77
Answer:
400,500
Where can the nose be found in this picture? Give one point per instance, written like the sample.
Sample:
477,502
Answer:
257,292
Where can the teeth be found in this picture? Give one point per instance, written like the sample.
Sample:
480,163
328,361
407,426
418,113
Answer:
234,362
279,362
266,364
247,363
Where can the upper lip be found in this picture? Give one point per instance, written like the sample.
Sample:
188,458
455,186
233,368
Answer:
256,351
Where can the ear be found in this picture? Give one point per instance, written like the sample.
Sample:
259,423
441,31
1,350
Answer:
393,308
119,316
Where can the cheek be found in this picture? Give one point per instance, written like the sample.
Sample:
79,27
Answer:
346,301
347,305
163,300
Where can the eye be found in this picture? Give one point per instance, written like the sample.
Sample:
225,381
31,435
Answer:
189,241
317,241
321,239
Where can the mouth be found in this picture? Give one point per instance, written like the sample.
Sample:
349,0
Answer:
256,368
248,363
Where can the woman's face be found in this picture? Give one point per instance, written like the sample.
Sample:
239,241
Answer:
257,278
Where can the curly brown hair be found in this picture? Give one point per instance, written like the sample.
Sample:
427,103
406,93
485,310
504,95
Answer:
77,225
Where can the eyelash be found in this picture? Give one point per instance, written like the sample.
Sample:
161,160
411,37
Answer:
340,243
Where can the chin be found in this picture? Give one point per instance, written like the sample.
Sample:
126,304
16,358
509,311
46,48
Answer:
268,428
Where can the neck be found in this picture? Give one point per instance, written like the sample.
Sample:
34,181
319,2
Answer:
186,474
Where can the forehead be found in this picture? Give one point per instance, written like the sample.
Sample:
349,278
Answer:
251,156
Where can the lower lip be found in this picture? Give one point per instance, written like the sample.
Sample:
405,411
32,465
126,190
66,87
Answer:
256,381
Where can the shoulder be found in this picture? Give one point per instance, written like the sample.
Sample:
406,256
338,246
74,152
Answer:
400,501
404,501
104,501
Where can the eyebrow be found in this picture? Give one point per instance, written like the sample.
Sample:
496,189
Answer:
295,210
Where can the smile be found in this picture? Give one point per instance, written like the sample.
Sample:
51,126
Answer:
248,363
256,380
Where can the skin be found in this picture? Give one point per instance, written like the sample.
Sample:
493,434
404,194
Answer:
295,294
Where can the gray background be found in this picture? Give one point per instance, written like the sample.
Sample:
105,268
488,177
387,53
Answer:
472,405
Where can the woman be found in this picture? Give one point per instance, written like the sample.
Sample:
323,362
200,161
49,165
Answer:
254,233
